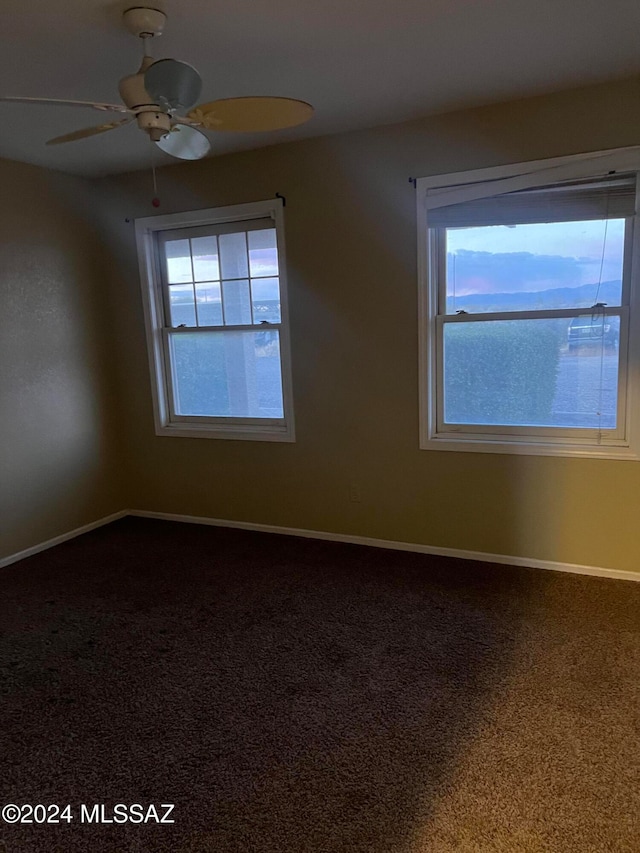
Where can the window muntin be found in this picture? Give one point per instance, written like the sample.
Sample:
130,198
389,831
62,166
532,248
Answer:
216,297
228,278
495,290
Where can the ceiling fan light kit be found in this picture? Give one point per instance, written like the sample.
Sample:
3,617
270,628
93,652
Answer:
185,143
162,89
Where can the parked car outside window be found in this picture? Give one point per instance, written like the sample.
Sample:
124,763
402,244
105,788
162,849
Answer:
590,329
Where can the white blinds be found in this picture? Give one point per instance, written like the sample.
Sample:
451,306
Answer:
233,227
610,197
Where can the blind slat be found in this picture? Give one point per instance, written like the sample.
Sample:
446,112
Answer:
606,198
233,227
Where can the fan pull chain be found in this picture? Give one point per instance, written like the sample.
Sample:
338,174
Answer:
155,201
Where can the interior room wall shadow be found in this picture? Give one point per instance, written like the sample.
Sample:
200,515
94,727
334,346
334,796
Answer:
59,444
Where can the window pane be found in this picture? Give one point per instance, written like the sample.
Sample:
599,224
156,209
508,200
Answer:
183,312
205,258
534,267
237,303
265,293
227,374
178,261
263,255
233,255
524,373
209,304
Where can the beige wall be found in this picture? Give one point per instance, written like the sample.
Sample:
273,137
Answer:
59,463
350,229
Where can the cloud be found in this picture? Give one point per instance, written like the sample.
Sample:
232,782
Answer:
498,272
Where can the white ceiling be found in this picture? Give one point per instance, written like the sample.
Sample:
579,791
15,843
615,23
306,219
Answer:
359,62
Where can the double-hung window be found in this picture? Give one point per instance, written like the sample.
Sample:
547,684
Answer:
215,299
527,280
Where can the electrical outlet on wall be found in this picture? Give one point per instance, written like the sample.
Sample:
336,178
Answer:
355,492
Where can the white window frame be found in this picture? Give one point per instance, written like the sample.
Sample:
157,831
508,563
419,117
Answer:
157,329
466,186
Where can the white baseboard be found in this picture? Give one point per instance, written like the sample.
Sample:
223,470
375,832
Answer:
57,540
481,556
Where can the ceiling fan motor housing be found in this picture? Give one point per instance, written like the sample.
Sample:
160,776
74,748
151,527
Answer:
133,91
149,116
155,124
144,22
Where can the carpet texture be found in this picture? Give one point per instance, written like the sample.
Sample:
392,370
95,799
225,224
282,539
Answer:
300,696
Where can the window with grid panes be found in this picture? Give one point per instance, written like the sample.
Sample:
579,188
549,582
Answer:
215,296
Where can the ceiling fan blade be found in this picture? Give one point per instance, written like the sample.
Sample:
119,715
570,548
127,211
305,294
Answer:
251,114
185,143
173,84
88,131
57,102
184,120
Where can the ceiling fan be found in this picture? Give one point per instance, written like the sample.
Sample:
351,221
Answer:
160,98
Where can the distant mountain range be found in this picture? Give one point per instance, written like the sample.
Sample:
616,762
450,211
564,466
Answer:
560,297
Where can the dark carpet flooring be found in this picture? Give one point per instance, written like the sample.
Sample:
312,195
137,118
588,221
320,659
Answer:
300,696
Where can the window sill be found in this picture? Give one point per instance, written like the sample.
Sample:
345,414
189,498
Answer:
237,433
529,448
